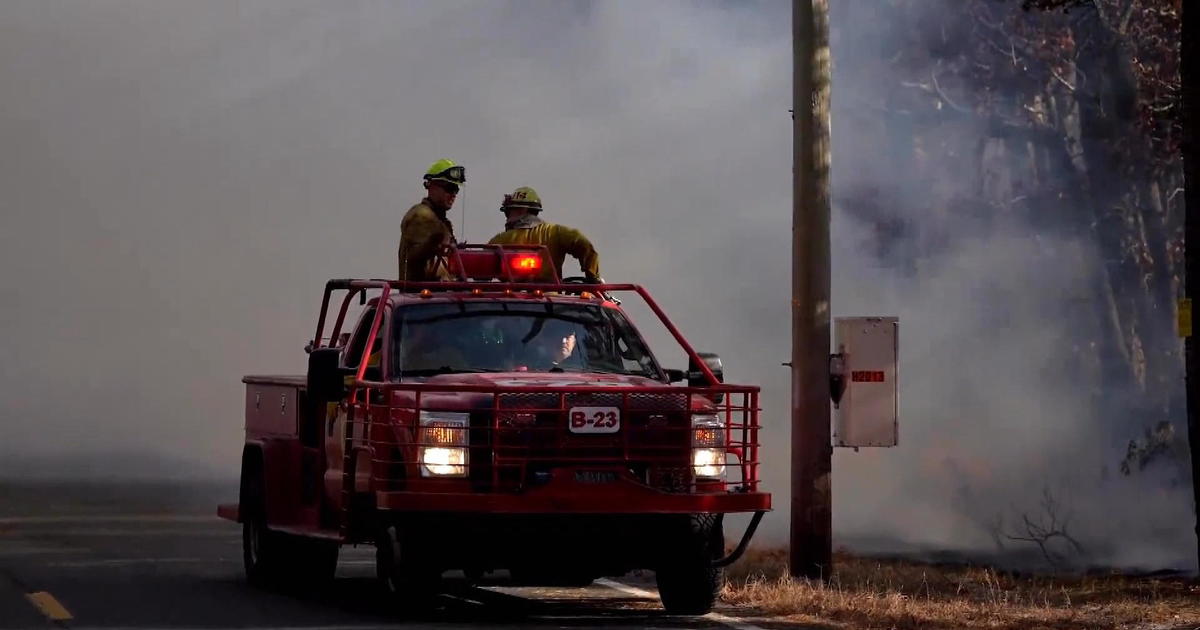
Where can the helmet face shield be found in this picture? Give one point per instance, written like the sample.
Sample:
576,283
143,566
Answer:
454,175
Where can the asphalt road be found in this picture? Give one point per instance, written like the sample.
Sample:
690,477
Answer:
97,555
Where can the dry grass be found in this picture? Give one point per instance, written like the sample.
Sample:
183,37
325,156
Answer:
866,593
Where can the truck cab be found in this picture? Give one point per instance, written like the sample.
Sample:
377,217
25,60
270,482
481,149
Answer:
494,423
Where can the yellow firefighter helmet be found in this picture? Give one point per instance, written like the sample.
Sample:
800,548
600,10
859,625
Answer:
523,197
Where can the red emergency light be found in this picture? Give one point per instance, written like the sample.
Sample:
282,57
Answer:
525,263
490,262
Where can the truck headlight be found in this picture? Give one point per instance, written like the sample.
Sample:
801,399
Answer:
708,446
443,439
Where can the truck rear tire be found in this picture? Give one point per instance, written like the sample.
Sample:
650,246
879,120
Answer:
264,552
688,584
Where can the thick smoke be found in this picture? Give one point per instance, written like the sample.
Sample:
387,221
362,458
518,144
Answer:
1003,416
180,178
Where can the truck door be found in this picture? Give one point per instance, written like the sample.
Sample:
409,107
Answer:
337,418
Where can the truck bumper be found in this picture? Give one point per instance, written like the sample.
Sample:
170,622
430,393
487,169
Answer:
565,495
229,511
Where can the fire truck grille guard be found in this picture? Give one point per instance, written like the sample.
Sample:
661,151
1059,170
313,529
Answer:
680,441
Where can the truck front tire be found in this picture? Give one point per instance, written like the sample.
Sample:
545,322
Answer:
688,584
404,574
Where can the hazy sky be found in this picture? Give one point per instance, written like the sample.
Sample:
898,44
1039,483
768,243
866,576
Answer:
178,179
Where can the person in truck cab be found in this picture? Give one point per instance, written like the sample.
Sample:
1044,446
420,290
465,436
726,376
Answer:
548,345
425,230
523,226
442,338
531,343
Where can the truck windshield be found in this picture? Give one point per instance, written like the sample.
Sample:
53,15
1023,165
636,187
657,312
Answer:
443,338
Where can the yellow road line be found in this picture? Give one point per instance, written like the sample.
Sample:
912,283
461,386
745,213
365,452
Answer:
49,606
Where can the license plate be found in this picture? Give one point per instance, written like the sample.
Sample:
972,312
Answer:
594,419
595,476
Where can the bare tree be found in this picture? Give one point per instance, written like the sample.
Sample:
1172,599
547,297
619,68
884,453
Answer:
1049,530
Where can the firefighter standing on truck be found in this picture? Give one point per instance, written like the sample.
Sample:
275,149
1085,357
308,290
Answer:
425,230
522,226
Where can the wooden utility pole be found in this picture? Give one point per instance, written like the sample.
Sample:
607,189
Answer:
1190,82
812,452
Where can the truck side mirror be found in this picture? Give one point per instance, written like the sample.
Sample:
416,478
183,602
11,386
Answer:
325,375
674,376
696,378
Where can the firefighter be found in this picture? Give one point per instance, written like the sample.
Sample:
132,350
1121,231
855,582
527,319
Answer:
558,346
425,230
523,226
542,344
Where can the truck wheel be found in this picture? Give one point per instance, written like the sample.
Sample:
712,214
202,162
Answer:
263,551
688,584
405,577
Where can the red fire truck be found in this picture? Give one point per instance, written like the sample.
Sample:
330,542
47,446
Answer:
494,422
